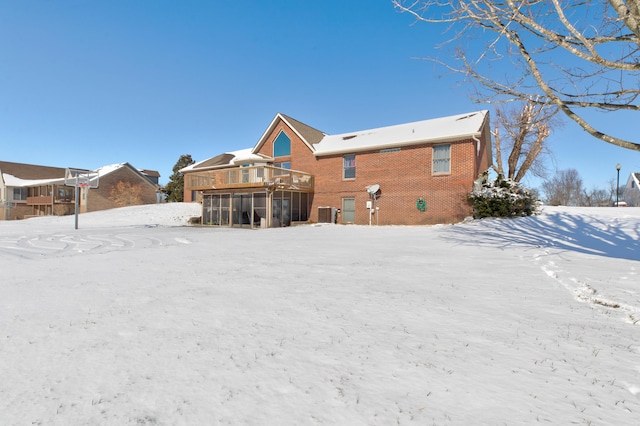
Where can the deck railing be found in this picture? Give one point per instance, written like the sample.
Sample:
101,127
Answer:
40,200
249,177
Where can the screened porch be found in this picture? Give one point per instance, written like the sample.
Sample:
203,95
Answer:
262,209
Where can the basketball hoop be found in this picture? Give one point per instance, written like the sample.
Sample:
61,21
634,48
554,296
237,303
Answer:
81,179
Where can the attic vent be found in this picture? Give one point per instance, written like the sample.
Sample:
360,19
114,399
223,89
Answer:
384,151
465,117
346,138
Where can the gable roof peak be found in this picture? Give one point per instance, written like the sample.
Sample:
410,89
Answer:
309,135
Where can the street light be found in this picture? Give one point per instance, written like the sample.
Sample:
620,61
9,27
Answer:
618,167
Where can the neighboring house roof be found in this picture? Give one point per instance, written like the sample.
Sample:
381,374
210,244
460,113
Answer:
633,183
232,158
152,173
443,129
26,176
11,180
31,171
105,170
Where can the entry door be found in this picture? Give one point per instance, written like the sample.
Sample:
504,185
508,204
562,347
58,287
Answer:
286,215
225,201
276,216
241,210
236,210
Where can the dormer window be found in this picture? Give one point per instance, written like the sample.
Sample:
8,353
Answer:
282,145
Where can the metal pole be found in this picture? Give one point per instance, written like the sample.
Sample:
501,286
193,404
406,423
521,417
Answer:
77,196
618,167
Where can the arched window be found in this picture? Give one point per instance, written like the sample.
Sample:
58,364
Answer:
282,145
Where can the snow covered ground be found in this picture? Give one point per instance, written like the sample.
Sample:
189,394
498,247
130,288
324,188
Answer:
136,319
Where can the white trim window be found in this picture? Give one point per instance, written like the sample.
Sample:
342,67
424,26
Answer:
20,194
349,166
348,210
441,159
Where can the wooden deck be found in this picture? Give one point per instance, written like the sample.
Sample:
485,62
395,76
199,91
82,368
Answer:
266,177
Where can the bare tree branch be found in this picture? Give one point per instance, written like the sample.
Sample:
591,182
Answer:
526,127
577,55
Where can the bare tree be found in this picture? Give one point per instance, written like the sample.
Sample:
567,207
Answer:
597,197
526,130
126,194
577,55
564,189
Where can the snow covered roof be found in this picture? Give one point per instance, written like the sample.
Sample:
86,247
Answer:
246,156
443,129
105,170
11,180
231,158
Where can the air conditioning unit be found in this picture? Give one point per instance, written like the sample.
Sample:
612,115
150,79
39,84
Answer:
327,214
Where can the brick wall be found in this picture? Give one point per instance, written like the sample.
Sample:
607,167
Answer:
98,198
404,176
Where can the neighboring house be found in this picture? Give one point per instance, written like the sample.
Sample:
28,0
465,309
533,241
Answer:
152,175
28,190
408,174
631,192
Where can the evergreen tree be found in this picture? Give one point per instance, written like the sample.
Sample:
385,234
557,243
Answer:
174,190
501,198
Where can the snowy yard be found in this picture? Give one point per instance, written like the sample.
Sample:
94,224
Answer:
135,320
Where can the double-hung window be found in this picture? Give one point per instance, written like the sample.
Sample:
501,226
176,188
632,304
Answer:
441,159
283,165
20,194
348,210
349,166
279,166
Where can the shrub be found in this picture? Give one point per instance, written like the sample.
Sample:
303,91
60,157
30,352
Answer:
501,198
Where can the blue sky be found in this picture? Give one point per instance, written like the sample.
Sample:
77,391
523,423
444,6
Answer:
91,83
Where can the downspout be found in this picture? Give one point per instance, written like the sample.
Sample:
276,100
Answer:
475,138
476,161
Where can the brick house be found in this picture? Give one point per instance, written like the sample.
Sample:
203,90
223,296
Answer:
409,174
28,190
